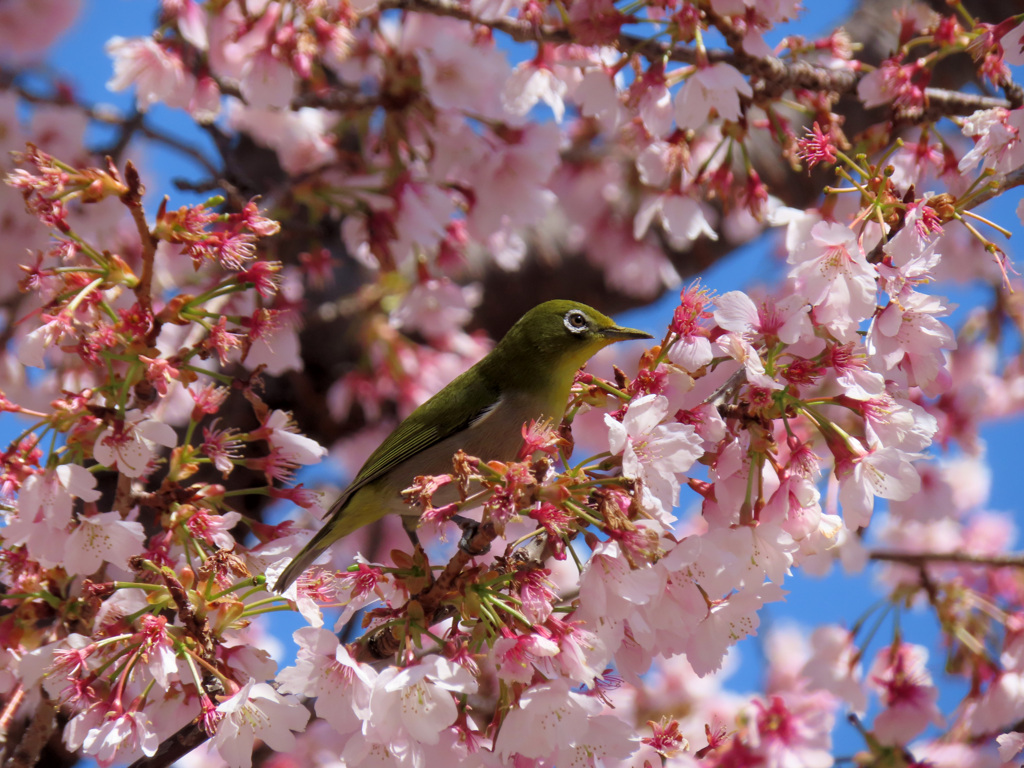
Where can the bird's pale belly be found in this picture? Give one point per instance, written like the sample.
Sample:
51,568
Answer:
498,436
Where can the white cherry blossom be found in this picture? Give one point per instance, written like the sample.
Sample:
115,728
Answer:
653,451
131,445
257,711
325,669
717,86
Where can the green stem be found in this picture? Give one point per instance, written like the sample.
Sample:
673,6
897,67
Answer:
607,387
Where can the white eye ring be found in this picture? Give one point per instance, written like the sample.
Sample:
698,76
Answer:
575,315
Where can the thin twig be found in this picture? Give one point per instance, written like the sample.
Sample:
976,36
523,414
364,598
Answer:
9,711
384,642
108,116
40,729
966,558
144,288
175,747
772,75
997,185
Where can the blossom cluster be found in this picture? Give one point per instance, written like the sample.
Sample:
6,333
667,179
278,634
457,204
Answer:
632,546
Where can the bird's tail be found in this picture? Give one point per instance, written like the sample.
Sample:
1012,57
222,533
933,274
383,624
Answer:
323,539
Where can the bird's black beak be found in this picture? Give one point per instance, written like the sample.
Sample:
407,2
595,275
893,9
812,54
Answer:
618,333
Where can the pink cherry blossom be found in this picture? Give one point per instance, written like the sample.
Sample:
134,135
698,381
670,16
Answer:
50,495
122,738
653,451
900,84
654,105
831,270
280,433
515,658
511,177
885,472
32,350
158,74
105,537
668,622
326,670
717,86
412,706
1000,705
907,334
833,666
789,320
435,308
907,692
130,445
459,72
548,717
793,728
256,711
599,98
612,587
997,140
301,138
741,350
684,218
1010,745
267,81
729,621
530,83
692,348
29,26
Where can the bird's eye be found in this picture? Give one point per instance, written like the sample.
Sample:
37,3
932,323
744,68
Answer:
575,321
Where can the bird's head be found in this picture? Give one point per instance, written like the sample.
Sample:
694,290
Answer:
559,336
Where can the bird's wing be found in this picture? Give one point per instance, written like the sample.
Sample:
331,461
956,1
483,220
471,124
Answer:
442,416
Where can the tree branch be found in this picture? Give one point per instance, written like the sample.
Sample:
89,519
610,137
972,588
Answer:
174,747
136,122
997,185
965,558
773,76
44,722
384,642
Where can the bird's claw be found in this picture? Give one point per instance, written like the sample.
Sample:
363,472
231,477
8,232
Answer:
469,531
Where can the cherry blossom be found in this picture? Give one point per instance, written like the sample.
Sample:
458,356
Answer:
435,308
50,495
326,670
907,691
998,145
157,74
833,666
548,718
531,83
256,710
715,87
1010,745
412,706
280,433
830,267
121,738
390,186
102,538
130,445
652,451
729,621
885,472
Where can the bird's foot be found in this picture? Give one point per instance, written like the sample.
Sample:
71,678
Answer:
469,530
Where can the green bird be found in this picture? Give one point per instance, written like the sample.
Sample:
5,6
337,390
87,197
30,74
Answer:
526,377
